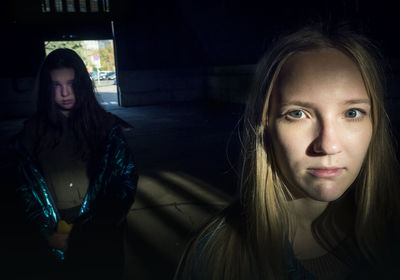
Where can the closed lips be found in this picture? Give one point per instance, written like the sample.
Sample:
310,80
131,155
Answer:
325,172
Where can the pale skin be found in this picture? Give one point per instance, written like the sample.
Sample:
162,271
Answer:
64,96
320,123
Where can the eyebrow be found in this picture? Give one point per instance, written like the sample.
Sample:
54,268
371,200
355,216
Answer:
57,82
358,101
310,104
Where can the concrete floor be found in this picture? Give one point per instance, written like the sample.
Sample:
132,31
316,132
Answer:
186,155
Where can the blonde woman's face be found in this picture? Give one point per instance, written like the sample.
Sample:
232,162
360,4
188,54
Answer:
320,123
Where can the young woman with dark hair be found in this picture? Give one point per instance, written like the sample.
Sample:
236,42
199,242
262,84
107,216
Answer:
78,179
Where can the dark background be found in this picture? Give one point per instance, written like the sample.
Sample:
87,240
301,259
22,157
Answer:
160,34
168,52
178,50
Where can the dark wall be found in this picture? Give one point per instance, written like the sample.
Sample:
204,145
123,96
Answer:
181,36
181,32
154,33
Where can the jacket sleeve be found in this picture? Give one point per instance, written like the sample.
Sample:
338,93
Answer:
111,193
33,192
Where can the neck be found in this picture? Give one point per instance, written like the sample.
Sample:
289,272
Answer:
306,210
303,212
65,113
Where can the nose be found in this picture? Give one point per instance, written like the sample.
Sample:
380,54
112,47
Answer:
328,140
65,90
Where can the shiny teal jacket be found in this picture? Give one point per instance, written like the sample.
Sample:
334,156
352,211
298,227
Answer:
115,184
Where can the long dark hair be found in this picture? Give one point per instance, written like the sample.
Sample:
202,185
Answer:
86,119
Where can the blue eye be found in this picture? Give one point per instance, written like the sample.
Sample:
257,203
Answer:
296,114
353,113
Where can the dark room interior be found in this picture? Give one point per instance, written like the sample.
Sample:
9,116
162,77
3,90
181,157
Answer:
184,70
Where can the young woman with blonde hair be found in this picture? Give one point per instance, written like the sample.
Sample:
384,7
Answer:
319,178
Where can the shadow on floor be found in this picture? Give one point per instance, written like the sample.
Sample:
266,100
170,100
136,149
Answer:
186,155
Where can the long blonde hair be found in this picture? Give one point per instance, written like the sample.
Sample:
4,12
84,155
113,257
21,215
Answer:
250,238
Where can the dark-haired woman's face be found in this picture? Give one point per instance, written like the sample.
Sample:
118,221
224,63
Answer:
320,123
62,81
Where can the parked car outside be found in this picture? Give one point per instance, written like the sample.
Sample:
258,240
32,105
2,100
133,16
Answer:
110,76
94,75
103,75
